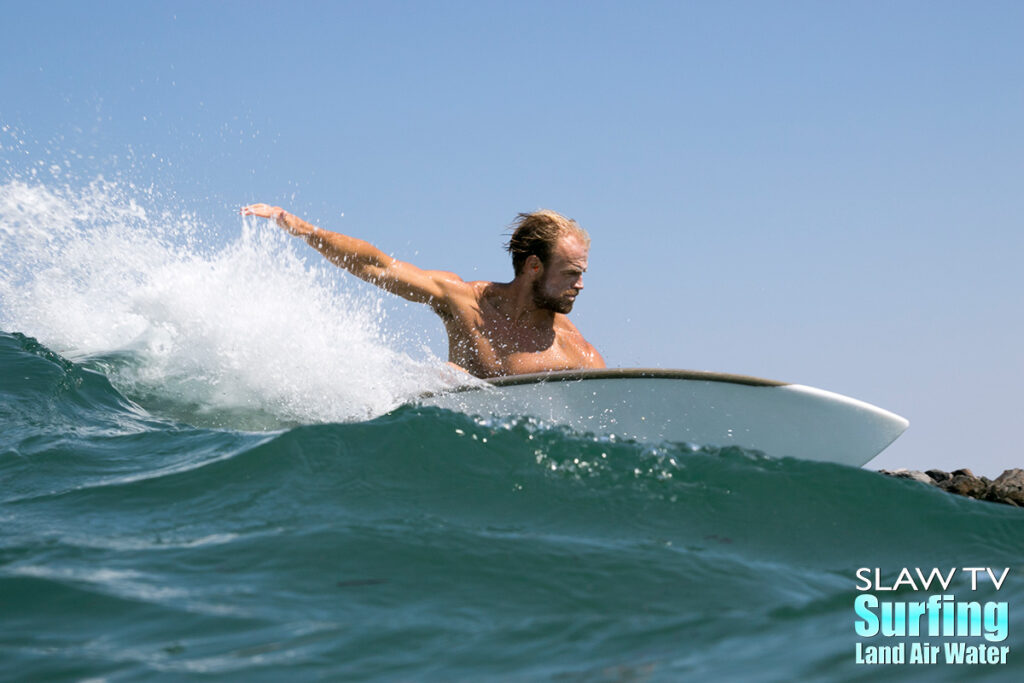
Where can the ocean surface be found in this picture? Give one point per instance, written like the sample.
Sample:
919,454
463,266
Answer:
212,468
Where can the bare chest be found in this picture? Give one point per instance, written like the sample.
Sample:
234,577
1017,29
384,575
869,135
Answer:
492,345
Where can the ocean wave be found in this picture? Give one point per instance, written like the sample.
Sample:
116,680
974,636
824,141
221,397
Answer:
428,544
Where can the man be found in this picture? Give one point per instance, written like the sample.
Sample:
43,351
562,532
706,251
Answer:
493,328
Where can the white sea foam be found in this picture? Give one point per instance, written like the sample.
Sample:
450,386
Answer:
243,328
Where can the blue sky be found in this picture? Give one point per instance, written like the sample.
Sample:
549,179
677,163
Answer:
822,193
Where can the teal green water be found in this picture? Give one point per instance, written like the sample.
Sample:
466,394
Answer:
426,545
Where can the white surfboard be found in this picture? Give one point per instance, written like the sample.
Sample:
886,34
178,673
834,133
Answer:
701,408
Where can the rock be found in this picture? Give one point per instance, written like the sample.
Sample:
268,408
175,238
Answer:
1008,488
916,475
964,483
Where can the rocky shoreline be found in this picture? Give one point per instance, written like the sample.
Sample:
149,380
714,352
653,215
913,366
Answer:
1007,488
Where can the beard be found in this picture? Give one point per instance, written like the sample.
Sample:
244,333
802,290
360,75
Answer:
546,302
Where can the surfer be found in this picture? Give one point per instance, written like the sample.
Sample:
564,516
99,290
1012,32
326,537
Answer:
494,329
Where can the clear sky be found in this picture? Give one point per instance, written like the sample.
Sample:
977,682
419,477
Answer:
817,192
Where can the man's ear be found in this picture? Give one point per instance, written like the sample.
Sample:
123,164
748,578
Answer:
533,265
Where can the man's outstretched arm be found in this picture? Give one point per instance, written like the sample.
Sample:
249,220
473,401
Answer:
364,260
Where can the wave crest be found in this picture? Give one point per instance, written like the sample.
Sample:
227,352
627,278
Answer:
245,334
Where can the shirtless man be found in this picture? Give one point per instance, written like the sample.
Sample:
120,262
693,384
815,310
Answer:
493,328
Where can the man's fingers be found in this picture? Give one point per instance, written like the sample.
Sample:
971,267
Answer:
261,210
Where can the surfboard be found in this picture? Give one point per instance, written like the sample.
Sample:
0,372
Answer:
700,408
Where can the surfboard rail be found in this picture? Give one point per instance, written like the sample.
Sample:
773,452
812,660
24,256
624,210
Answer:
631,373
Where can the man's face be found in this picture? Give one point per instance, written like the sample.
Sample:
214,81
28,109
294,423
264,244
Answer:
562,279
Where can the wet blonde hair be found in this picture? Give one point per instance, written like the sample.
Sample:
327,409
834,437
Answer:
537,233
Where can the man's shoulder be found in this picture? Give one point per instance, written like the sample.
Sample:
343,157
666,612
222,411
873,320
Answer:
472,295
573,338
450,282
459,294
482,288
566,326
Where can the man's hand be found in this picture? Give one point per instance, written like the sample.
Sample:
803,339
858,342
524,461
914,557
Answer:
276,213
262,210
